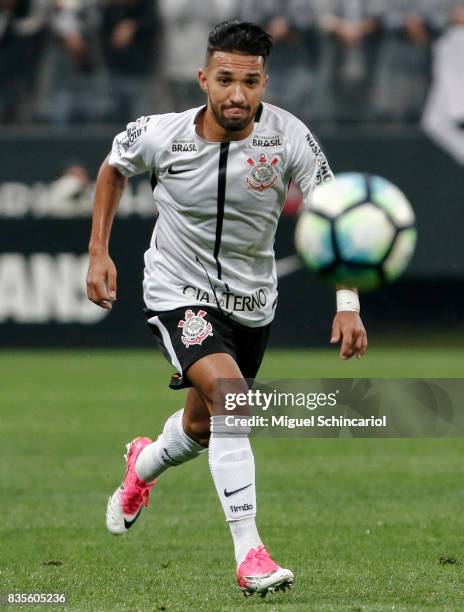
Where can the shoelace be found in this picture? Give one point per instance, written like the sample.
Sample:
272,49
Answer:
136,500
142,496
145,495
260,555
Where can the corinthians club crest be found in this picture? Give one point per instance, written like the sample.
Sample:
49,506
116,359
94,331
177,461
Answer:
262,174
194,329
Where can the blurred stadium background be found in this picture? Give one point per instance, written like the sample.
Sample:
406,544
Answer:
379,82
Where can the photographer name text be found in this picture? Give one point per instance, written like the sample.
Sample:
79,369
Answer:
306,422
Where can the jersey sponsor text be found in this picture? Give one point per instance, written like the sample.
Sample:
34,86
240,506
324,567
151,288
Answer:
228,300
183,146
267,141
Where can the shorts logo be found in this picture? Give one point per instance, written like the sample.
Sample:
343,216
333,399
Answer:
194,328
262,174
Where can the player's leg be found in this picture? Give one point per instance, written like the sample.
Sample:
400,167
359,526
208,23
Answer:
183,438
196,418
232,467
146,460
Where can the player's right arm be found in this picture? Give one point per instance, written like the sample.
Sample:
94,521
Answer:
101,276
132,153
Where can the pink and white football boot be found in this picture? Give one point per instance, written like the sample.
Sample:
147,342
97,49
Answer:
259,574
125,505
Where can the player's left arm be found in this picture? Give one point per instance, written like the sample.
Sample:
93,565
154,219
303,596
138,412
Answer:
310,168
347,326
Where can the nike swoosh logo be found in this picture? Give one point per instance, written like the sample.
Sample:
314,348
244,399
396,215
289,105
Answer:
172,171
229,493
128,524
168,459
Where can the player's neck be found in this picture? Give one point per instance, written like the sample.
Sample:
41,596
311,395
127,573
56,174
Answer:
209,129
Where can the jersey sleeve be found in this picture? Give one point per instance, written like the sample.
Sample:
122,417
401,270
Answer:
133,150
308,164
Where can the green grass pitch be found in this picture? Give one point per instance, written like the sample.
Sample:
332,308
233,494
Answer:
362,523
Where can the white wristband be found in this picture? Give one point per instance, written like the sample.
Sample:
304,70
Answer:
347,300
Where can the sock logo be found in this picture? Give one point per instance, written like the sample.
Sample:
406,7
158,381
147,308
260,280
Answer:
241,508
229,493
166,457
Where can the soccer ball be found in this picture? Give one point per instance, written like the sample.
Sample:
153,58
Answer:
357,230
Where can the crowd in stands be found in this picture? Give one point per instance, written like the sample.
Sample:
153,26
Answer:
68,62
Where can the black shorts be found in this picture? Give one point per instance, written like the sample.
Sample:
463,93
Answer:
189,333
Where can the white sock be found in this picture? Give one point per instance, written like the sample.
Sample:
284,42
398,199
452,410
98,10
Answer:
245,535
232,467
172,447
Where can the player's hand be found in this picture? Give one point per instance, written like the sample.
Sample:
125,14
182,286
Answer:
348,328
101,281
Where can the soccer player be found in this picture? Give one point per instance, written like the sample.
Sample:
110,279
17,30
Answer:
220,175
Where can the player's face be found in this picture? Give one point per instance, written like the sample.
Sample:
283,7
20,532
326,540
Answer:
235,85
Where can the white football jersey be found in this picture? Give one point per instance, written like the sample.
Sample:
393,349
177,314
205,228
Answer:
219,204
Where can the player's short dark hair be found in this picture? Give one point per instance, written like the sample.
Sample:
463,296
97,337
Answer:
239,37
